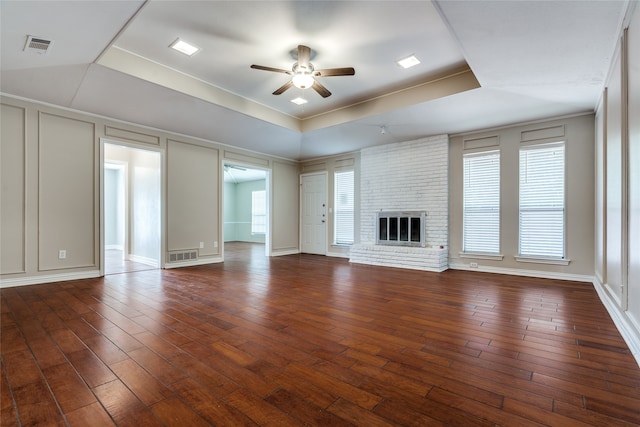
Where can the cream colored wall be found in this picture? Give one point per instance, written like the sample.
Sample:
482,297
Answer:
50,198
193,188
613,182
285,212
633,307
67,192
13,187
618,209
578,134
600,267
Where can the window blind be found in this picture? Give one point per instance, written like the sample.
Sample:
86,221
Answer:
343,233
542,224
481,203
258,212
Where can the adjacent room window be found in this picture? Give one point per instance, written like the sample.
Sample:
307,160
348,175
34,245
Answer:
542,216
481,203
258,212
343,230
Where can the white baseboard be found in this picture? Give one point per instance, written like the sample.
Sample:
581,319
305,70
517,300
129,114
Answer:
526,273
338,254
282,252
144,260
628,327
201,261
49,278
116,247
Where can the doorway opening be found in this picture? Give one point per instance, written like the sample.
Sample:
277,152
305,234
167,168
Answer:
246,210
132,209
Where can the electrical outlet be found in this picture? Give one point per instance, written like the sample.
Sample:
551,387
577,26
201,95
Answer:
201,245
473,264
62,254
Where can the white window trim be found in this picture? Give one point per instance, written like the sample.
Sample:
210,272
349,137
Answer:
253,215
486,255
541,259
536,260
334,243
478,255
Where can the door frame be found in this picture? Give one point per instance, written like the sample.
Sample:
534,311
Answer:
123,170
326,204
268,198
163,192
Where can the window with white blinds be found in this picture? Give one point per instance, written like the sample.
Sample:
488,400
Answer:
542,223
258,212
481,203
343,208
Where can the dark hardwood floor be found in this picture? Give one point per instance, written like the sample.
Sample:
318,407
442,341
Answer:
311,340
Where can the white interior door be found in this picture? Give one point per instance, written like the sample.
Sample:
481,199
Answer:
314,214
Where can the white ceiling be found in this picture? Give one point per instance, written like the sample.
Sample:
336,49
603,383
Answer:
528,60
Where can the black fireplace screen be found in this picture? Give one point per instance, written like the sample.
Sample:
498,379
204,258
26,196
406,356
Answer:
401,228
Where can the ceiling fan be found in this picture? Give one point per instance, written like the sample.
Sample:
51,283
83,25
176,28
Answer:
303,75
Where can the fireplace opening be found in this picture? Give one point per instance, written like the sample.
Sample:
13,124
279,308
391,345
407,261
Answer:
401,228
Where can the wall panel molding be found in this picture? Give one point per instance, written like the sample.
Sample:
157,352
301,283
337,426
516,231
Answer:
67,203
14,190
130,135
245,159
542,133
484,142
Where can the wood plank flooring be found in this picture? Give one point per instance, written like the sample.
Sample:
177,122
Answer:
311,340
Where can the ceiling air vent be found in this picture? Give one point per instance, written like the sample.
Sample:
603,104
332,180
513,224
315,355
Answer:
37,45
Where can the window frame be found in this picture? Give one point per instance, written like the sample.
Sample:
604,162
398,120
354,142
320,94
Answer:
537,257
337,211
258,228
476,252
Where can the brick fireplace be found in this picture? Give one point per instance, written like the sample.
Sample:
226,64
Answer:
408,176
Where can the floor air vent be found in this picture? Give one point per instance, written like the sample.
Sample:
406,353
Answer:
183,256
37,45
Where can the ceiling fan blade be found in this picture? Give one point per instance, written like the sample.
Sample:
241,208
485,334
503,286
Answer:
346,71
304,54
276,70
323,91
282,88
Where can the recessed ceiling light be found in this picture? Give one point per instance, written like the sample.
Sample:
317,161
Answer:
299,101
184,47
409,61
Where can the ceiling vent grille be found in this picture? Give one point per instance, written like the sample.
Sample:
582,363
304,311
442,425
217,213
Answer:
37,45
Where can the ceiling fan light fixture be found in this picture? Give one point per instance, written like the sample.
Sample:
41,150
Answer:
184,47
303,73
408,62
302,80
